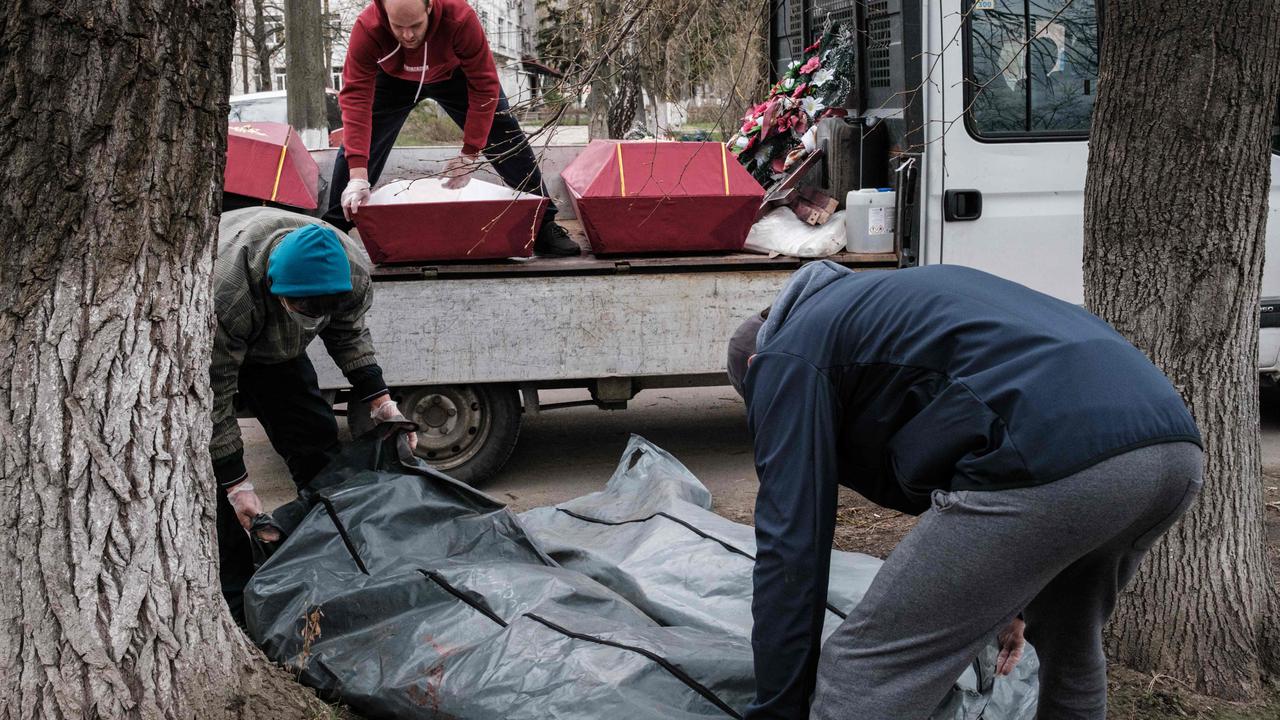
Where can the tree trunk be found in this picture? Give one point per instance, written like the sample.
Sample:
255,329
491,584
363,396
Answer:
326,38
598,108
624,96
306,69
112,140
1175,212
242,20
261,52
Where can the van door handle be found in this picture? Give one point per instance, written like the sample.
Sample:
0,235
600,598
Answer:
960,205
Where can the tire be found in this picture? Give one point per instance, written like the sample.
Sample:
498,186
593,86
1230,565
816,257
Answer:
465,431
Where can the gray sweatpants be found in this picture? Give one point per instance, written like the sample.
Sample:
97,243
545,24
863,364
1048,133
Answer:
1058,552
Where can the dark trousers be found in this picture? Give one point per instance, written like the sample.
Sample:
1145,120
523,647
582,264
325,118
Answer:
1061,552
286,399
508,149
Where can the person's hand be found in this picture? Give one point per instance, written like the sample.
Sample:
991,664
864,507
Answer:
384,409
356,194
245,501
458,171
1012,641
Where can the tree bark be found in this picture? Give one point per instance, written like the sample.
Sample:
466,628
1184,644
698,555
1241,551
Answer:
598,108
306,69
1175,212
112,142
327,40
624,95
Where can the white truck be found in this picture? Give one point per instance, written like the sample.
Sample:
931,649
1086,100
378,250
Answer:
977,113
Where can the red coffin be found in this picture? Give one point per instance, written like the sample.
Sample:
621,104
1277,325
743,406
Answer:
418,220
645,196
268,161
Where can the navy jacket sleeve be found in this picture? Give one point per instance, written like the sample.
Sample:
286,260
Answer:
793,415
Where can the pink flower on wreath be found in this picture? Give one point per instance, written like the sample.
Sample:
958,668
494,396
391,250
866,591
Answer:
768,116
800,90
811,66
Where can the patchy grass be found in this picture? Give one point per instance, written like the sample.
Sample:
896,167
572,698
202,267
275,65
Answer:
428,125
1135,696
862,526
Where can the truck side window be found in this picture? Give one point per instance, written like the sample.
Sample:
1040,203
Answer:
1033,67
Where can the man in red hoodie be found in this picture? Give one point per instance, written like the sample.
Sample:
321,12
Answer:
401,52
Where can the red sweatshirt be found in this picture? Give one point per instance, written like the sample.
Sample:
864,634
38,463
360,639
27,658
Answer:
454,38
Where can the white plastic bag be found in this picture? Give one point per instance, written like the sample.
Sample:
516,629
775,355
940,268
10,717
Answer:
782,233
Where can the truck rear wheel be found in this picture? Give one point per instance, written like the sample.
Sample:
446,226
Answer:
465,431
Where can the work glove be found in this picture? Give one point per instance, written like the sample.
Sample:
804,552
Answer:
355,195
248,506
458,171
388,412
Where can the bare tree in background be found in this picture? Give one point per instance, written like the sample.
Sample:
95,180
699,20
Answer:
266,37
261,37
110,602
1175,214
673,47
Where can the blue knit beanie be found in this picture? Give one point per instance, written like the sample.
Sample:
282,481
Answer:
309,261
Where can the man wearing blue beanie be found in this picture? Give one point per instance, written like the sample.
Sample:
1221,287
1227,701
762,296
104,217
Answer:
280,280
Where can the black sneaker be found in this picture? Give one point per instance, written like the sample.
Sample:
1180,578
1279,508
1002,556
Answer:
554,241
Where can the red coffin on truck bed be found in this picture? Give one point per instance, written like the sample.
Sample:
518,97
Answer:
646,196
420,220
268,161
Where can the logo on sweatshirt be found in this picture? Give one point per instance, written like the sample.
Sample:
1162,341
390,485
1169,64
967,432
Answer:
415,68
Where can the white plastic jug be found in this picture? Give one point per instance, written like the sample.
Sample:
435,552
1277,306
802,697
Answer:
869,219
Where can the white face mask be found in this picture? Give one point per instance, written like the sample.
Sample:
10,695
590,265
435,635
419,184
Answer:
308,323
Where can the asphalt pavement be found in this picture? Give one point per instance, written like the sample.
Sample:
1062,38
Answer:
562,454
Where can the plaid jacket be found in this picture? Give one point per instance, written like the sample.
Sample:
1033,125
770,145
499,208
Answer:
254,328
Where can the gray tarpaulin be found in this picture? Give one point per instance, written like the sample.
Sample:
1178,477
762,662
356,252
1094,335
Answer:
406,594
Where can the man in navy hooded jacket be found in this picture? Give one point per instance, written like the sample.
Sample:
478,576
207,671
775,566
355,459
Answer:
1044,452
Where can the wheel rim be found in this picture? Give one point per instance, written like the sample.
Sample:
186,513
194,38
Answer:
453,424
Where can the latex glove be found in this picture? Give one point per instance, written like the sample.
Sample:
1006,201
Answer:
384,409
1012,641
355,195
245,501
458,171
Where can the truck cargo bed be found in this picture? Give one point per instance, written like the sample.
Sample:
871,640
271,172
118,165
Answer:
588,264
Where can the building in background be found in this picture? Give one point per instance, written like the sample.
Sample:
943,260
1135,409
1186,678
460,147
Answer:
509,25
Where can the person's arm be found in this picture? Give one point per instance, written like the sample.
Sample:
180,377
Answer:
483,88
351,347
359,71
793,415
226,449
